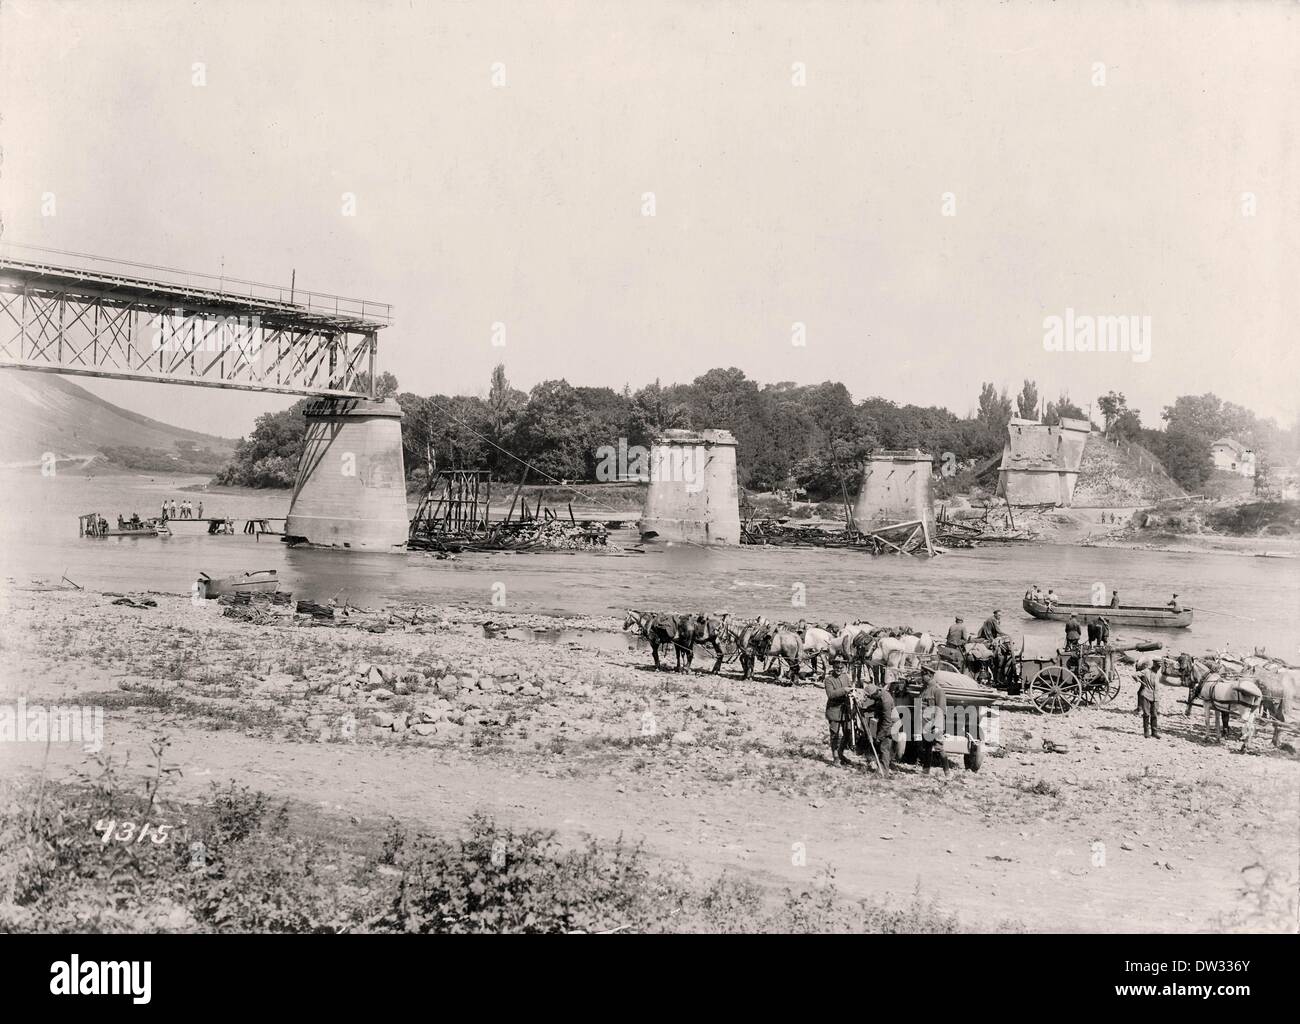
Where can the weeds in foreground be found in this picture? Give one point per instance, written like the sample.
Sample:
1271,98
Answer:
237,862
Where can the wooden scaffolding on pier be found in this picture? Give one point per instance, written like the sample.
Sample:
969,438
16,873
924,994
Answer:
455,505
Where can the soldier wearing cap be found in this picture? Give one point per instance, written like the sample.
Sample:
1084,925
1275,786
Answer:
958,638
1149,699
992,628
878,702
838,685
1073,632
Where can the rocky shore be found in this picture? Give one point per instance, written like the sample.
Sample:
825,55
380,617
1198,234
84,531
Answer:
419,713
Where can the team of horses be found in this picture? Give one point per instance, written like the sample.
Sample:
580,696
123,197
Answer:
1251,686
780,644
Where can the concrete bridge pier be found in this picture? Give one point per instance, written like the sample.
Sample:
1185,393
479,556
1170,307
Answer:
693,496
351,487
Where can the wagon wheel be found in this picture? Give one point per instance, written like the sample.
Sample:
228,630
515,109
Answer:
949,666
1055,690
1099,685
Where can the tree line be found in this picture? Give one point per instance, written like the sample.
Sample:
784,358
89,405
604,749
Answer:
811,436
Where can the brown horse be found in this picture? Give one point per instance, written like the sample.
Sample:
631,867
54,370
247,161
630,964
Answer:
691,629
657,628
717,632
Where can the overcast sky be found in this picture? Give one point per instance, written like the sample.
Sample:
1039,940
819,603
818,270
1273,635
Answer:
1116,191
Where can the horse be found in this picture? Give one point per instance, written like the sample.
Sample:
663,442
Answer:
915,646
1220,696
881,651
691,629
656,627
819,642
760,640
717,632
1279,683
751,636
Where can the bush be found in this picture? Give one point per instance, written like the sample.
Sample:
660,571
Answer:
235,864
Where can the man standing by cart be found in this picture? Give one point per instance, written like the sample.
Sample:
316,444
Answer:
838,685
1149,699
878,703
933,705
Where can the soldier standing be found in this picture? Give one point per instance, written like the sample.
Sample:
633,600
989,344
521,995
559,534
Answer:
837,686
933,704
957,639
1149,700
879,702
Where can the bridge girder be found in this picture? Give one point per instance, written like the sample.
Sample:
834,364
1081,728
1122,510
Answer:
63,320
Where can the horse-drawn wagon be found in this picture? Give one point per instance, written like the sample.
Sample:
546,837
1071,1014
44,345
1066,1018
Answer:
1055,684
969,722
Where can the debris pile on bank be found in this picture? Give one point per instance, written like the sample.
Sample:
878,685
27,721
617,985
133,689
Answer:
538,534
999,523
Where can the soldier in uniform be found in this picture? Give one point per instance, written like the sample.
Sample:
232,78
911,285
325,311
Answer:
1073,632
933,704
1149,700
958,638
992,628
838,685
878,702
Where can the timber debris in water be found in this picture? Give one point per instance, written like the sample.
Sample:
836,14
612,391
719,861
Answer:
967,528
909,538
454,515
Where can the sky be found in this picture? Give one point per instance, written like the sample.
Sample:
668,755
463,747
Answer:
911,189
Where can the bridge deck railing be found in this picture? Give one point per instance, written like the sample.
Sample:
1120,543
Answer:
151,276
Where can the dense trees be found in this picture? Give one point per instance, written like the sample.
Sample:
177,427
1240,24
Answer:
268,457
790,435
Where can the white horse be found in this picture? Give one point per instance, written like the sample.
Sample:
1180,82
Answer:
819,642
1221,696
1279,684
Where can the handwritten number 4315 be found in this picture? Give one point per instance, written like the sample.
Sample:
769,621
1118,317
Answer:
127,832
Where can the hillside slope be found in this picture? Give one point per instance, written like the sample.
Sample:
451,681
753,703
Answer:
42,412
1122,476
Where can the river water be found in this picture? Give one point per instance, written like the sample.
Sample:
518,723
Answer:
1241,601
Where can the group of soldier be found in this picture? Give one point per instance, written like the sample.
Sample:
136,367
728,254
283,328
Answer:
871,705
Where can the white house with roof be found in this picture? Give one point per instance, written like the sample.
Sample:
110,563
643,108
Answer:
1233,457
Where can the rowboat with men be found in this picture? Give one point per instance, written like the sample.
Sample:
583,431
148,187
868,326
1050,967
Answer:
1153,616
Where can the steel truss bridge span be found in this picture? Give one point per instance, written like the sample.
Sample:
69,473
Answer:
74,314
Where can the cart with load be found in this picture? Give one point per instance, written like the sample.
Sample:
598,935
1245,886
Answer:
1085,674
968,729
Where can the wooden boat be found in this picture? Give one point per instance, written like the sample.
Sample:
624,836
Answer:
89,526
1152,616
262,581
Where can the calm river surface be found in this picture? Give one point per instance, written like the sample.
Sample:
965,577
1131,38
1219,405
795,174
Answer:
1239,600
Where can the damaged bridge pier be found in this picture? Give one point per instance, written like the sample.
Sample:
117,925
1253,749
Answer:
693,496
